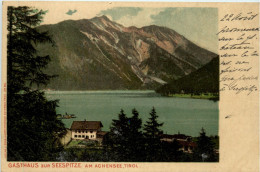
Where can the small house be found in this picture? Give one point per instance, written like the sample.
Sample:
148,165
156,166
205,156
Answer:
186,143
100,136
85,129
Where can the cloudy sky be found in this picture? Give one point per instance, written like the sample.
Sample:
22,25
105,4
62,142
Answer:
199,25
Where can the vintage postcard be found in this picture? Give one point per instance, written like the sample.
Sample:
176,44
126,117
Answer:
130,86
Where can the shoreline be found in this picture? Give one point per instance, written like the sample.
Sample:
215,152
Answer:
189,96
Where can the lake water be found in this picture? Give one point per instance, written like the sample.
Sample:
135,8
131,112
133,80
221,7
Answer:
183,115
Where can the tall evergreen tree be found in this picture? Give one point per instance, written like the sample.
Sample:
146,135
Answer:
117,138
136,139
32,124
152,134
205,148
125,139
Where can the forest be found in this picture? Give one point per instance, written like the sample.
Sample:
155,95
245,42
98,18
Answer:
203,81
131,141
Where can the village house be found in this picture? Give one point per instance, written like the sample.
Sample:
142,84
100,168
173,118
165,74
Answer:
100,136
86,130
184,141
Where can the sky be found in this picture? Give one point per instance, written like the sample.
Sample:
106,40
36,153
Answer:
199,25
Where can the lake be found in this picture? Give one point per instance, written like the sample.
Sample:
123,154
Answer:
183,115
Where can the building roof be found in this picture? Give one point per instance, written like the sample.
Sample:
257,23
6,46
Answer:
101,134
86,125
181,136
175,136
167,136
187,143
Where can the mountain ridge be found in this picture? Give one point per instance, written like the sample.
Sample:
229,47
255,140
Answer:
201,81
98,53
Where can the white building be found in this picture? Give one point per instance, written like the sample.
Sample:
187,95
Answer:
85,129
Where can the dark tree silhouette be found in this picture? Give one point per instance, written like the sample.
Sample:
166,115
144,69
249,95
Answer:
124,142
171,152
136,139
205,148
116,140
32,124
152,134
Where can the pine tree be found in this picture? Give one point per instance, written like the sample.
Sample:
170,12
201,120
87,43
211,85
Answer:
32,124
117,138
125,139
152,134
205,148
135,137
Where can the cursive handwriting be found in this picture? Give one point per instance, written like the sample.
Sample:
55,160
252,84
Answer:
237,47
226,29
246,54
234,86
228,55
234,69
240,78
225,39
225,63
239,17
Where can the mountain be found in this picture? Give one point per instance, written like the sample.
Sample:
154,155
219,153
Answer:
204,80
98,53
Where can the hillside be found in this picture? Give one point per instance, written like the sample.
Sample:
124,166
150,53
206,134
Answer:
204,80
97,53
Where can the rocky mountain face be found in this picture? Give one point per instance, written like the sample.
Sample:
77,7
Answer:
99,54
